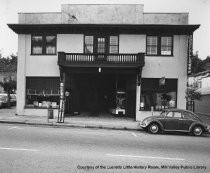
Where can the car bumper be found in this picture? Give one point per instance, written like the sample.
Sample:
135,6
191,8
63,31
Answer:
207,129
143,125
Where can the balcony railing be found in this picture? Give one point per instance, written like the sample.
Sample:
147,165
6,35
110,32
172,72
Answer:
87,59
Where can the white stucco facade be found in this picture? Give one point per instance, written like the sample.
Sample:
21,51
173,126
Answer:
172,67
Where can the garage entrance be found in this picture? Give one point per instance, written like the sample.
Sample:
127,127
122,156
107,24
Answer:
95,93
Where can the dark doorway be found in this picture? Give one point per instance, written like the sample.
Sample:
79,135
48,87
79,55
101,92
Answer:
95,93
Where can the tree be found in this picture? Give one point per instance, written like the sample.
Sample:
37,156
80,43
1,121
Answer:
8,64
197,64
191,95
206,63
9,86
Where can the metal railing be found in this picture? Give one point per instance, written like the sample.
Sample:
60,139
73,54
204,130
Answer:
68,58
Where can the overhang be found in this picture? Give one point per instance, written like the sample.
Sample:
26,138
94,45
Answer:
103,28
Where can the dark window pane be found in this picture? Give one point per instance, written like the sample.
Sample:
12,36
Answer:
156,96
51,39
113,49
88,49
43,45
113,40
37,42
152,45
166,45
50,44
88,40
101,45
113,44
36,49
42,91
37,39
88,44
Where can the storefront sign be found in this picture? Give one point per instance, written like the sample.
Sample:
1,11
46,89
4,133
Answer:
190,54
61,90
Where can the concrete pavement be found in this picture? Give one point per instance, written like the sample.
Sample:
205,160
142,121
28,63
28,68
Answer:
107,122
25,149
101,121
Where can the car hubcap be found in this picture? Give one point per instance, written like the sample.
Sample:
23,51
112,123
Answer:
197,131
154,129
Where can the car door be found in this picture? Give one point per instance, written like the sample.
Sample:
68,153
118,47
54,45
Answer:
173,121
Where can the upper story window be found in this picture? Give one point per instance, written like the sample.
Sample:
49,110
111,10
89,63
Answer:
43,44
160,45
88,44
101,44
113,44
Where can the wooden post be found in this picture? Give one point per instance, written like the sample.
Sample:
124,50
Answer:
61,110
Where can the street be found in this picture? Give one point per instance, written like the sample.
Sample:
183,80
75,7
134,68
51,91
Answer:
25,149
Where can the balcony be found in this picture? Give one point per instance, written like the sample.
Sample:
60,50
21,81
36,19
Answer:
102,60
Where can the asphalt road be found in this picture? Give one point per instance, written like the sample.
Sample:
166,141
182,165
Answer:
25,149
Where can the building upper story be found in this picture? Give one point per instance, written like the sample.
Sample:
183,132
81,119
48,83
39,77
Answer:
115,30
103,14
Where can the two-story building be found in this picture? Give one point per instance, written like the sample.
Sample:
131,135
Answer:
99,50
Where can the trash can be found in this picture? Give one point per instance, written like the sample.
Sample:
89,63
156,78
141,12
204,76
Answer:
50,113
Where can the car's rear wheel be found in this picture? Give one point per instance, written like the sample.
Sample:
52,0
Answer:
197,130
153,128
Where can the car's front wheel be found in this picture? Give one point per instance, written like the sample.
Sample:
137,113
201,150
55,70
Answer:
197,130
153,128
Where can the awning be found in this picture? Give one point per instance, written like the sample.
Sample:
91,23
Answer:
104,28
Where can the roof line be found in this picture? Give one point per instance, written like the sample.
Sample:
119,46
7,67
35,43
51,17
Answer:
36,12
166,12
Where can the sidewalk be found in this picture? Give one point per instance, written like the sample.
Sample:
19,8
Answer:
101,121
108,122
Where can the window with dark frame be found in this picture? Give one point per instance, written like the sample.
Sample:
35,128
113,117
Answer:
156,96
152,45
166,45
36,44
42,92
43,44
88,44
159,45
101,44
113,44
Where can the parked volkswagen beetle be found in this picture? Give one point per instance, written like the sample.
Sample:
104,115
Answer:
175,120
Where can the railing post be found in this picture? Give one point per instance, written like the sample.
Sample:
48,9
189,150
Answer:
141,58
61,57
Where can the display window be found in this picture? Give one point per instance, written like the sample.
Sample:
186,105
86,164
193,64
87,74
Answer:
157,96
42,92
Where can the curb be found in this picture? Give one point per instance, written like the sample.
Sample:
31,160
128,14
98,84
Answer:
57,125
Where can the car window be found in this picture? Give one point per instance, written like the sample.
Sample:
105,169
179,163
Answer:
188,115
177,115
169,114
163,113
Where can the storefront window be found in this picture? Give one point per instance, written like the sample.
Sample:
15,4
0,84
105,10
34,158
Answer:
158,96
42,92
